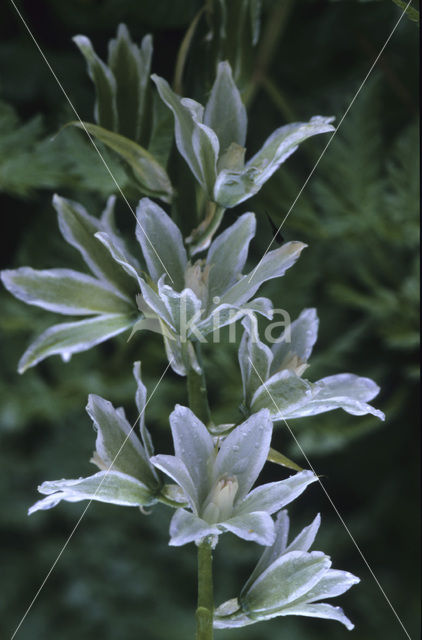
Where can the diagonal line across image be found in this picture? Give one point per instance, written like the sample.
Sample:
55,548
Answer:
81,517
308,462
362,84
91,139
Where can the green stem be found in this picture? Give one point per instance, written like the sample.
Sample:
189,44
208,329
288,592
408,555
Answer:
205,610
197,388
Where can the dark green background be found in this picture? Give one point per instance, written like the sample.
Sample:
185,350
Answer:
118,578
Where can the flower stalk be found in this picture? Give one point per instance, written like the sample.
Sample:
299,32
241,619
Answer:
205,609
197,389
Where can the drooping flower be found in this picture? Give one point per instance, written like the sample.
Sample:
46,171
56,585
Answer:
217,482
288,580
126,476
272,377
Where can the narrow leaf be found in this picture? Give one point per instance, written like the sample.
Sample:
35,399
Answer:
150,176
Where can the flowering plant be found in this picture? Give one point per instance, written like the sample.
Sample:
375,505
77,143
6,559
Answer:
188,300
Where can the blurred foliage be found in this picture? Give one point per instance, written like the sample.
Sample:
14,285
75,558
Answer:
118,578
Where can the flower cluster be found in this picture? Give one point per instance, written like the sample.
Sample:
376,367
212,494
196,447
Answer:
213,470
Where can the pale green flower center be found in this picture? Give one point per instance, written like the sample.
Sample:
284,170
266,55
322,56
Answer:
196,279
219,504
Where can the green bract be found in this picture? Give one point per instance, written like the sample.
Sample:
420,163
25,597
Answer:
272,377
126,114
212,140
126,476
288,580
217,482
109,296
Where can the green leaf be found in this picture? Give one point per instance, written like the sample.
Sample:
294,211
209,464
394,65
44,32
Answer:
105,85
131,67
284,461
150,176
161,138
64,291
72,337
78,229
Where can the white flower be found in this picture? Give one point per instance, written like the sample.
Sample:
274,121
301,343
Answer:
288,580
218,482
186,301
212,140
272,377
126,476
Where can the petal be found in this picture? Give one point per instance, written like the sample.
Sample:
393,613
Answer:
73,337
105,486
244,452
154,301
117,443
64,291
344,391
306,537
281,394
105,109
332,584
256,526
186,527
288,578
131,66
299,339
233,187
273,496
321,610
174,354
254,359
177,470
161,243
194,445
79,228
225,112
227,254
282,143
198,145
184,308
272,552
273,265
119,254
